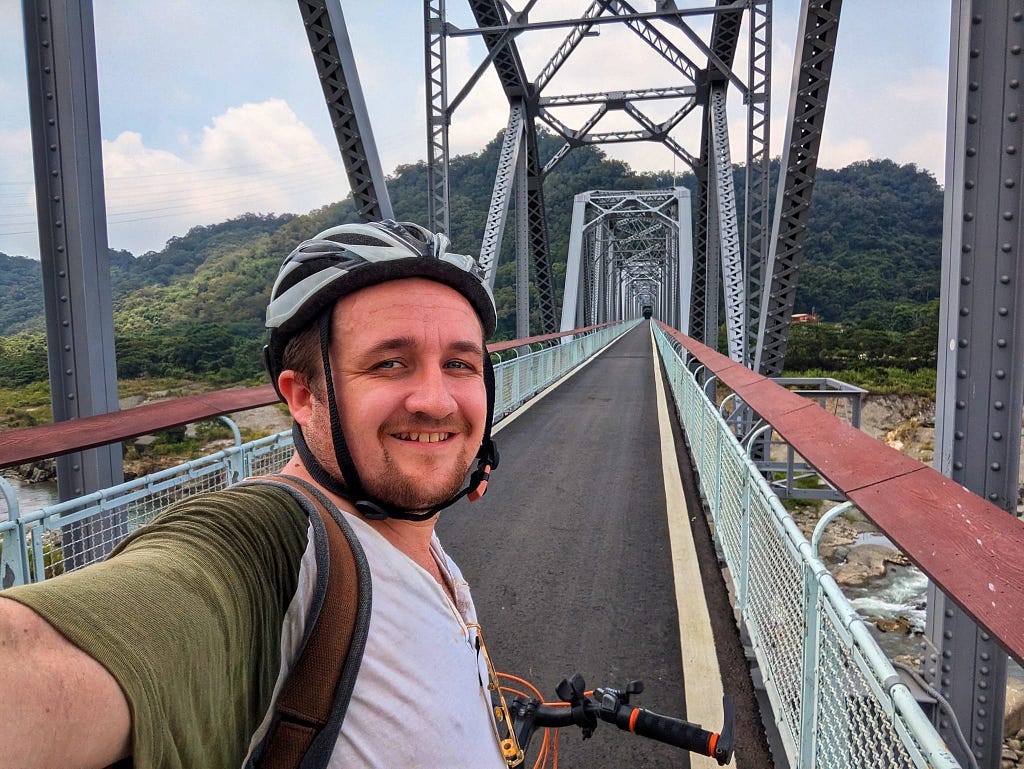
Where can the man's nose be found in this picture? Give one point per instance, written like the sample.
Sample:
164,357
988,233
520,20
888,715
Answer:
431,394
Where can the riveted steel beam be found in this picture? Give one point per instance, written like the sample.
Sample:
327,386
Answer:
501,198
756,198
60,48
733,278
336,68
812,73
437,114
981,351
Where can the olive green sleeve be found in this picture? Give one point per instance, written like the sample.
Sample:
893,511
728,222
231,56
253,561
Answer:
186,615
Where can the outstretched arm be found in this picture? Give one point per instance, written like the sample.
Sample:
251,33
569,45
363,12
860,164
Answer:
60,706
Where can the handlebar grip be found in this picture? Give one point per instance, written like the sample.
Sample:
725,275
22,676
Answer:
673,731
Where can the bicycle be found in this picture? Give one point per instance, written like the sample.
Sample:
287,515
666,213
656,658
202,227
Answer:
582,708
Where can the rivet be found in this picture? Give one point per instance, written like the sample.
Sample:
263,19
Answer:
1014,83
969,184
973,86
71,396
997,436
65,323
53,148
947,668
962,343
948,635
958,465
1004,278
46,70
51,121
972,119
998,405
1006,248
964,312
63,298
982,698
58,224
67,348
1015,49
62,273
995,467
993,496
971,152
1008,183
969,217
1003,312
60,249
1011,150
78,490
949,615
961,374
1018,16
1000,343
1008,215
965,280
53,173
976,19
56,198
959,435
985,656
46,44
966,248
70,372
975,53
982,685
981,712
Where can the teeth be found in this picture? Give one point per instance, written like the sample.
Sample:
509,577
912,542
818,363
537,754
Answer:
423,437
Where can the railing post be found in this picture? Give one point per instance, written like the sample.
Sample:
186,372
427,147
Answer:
809,675
238,466
13,550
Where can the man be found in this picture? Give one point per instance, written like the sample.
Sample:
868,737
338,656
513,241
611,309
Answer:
174,649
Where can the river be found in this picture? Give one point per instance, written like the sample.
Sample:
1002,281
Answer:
31,496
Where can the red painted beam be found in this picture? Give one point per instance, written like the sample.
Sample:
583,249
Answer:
965,544
34,443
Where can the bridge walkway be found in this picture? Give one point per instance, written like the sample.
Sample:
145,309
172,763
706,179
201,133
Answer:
582,558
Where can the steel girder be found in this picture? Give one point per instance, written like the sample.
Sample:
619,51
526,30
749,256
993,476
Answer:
981,344
756,197
494,228
60,48
812,72
336,68
498,24
624,245
437,115
733,277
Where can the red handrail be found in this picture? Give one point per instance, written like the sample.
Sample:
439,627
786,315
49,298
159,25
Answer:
965,544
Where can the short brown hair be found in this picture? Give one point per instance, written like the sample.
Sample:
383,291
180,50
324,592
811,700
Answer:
302,355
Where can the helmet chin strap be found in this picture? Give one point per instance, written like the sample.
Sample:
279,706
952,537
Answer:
351,488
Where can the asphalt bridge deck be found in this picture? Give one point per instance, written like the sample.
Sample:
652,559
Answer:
570,562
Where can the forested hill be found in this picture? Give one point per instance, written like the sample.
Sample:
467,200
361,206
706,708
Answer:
197,306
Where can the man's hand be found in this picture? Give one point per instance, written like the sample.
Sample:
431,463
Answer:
61,708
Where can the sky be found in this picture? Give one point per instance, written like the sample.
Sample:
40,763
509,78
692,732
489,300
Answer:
211,110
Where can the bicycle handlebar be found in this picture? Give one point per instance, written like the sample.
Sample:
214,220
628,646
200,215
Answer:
612,706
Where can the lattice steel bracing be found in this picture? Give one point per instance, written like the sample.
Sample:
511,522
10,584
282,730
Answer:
981,352
627,250
812,72
501,198
336,68
437,115
60,47
756,199
696,57
733,277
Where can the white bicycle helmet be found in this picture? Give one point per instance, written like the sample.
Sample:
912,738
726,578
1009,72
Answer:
344,259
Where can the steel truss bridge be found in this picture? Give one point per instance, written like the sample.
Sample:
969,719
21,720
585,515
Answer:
696,262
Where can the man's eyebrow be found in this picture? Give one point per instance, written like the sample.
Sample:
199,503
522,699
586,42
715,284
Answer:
403,343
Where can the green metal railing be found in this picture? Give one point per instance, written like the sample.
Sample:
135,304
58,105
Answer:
838,701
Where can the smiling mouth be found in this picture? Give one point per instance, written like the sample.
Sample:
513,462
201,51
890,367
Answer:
423,437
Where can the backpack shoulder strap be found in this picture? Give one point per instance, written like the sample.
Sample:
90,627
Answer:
314,697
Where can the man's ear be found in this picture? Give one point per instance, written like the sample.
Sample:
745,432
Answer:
297,395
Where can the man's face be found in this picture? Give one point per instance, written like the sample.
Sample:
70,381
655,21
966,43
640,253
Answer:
407,357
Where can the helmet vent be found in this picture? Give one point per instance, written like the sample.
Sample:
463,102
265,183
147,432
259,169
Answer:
356,239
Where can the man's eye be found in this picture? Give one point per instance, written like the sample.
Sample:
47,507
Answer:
388,364
459,364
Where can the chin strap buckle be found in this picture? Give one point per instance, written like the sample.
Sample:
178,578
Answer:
488,461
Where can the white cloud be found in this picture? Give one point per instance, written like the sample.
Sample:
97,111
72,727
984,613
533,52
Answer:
253,158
